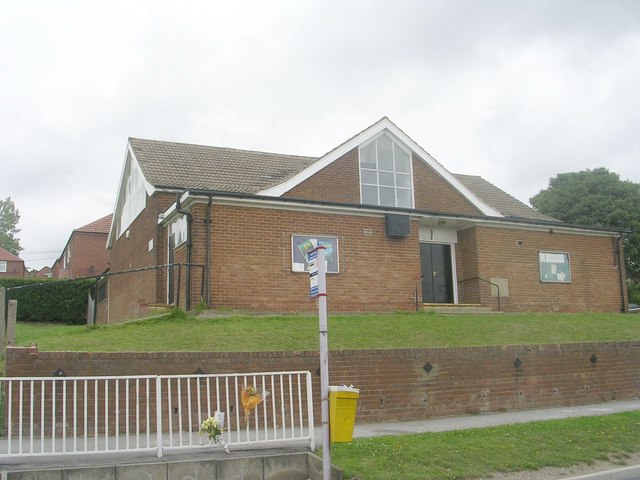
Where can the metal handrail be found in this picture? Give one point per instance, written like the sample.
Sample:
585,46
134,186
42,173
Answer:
418,284
486,281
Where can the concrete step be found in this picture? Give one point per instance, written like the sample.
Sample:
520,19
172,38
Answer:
456,308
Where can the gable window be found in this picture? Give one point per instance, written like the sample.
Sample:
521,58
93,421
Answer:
135,198
66,258
554,267
385,174
3,267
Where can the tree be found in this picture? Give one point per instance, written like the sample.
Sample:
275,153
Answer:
9,217
597,198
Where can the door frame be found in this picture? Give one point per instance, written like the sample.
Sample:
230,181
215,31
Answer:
454,273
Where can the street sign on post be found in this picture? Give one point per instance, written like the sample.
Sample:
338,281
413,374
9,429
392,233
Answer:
318,289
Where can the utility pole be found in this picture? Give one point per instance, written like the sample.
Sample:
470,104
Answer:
318,284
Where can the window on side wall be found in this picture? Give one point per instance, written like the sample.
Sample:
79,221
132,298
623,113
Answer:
299,258
385,173
179,229
554,267
3,267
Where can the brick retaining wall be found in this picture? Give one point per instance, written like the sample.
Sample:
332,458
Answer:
402,384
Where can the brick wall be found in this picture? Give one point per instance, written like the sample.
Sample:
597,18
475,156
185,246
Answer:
433,193
250,255
251,261
337,182
512,254
89,254
14,270
407,384
130,295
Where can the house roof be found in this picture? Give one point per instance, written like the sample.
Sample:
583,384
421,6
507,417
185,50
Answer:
199,167
101,225
183,166
8,256
500,200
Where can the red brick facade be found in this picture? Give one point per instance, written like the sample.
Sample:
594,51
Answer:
338,182
252,267
86,252
12,265
133,295
251,264
242,251
512,254
409,384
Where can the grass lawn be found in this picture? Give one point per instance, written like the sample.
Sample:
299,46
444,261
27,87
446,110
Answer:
467,454
180,332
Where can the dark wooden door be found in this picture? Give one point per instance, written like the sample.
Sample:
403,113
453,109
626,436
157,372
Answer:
435,264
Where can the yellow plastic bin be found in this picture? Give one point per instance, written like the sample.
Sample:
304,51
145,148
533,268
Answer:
342,412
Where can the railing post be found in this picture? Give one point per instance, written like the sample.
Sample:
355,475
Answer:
159,415
312,434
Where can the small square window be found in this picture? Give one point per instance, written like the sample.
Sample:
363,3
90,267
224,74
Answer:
369,195
386,179
388,196
404,198
369,177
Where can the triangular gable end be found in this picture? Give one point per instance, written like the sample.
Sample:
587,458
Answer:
131,164
362,138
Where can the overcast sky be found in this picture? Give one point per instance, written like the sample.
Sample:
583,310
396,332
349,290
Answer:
514,91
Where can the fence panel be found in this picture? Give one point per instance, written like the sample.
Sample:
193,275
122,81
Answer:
72,415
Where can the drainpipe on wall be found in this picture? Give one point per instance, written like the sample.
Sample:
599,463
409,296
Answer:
188,274
208,254
621,267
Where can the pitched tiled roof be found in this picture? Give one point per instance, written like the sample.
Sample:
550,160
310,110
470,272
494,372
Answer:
99,226
8,257
199,167
500,200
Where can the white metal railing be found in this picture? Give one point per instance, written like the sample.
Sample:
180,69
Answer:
73,415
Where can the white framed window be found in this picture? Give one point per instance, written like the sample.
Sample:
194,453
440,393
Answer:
299,258
386,174
554,267
3,266
66,258
135,198
179,230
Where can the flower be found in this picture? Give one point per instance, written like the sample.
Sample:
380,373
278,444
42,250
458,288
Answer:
213,428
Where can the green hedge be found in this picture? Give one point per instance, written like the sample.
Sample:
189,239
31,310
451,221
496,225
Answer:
51,301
